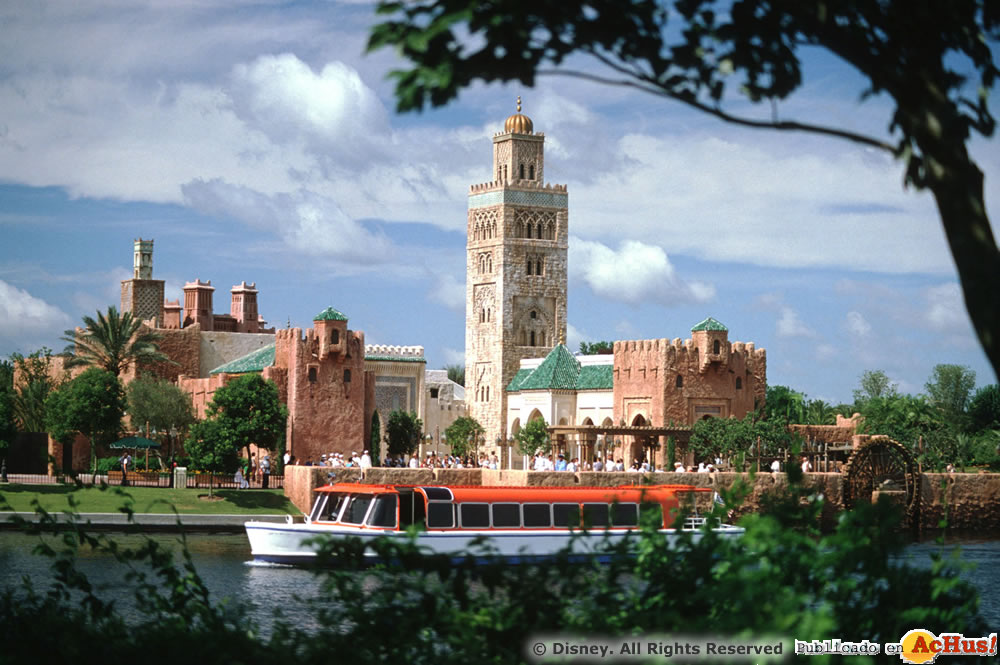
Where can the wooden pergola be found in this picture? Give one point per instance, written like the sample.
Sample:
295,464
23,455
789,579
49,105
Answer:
651,439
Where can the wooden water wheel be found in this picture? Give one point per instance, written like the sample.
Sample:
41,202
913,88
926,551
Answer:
884,466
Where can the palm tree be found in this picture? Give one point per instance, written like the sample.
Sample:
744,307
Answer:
112,342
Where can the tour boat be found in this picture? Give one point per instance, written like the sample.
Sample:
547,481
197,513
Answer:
520,523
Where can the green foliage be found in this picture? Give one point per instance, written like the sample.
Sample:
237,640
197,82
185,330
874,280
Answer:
463,434
534,437
247,411
32,389
92,404
671,452
784,403
456,373
949,389
727,437
874,384
984,408
403,431
597,348
112,342
161,405
211,448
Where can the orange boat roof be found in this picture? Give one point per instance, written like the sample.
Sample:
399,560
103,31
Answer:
505,494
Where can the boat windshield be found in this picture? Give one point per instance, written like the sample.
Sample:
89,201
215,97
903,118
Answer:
384,512
357,508
327,508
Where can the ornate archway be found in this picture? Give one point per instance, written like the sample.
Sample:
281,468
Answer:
881,466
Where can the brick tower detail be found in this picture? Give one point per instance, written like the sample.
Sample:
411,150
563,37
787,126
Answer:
516,271
142,295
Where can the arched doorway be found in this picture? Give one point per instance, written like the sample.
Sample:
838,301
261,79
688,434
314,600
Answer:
639,447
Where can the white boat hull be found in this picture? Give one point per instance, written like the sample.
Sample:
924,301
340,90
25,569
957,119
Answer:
288,543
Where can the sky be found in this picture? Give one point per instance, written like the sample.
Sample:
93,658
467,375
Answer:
256,141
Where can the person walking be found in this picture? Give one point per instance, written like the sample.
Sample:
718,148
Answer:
265,472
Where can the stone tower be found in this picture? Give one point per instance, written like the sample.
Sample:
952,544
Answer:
515,290
142,295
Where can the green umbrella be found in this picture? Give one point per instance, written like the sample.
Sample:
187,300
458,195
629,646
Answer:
134,442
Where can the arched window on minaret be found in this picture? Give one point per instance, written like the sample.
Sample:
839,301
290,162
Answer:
739,383
717,347
531,171
529,265
539,231
530,229
538,267
520,172
505,172
532,336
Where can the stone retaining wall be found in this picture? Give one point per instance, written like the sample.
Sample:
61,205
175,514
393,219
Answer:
972,501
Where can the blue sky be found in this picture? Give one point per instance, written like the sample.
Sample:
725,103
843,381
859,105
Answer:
254,141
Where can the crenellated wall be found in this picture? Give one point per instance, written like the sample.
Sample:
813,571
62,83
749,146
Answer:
327,392
677,381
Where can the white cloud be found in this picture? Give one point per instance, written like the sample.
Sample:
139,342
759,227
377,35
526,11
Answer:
857,325
453,356
945,308
22,314
789,324
448,291
307,222
574,336
635,274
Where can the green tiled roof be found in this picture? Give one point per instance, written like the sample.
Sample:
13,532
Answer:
596,377
562,371
519,378
251,362
557,372
710,324
399,359
330,314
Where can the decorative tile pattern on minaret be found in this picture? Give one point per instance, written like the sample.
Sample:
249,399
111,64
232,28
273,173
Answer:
516,271
142,295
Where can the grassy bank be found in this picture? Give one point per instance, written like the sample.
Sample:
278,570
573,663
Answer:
55,498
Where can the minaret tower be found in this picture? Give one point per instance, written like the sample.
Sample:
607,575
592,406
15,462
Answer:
515,290
142,295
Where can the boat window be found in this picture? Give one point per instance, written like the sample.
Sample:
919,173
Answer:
319,507
328,508
437,493
651,508
384,512
475,515
624,514
506,515
566,514
595,514
356,509
537,515
440,515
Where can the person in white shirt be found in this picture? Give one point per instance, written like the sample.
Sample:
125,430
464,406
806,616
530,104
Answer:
806,465
776,466
414,463
366,461
678,467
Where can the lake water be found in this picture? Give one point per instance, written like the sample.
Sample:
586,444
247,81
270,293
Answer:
225,564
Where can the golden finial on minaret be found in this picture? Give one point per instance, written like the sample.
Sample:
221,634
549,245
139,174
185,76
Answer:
517,123
562,337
